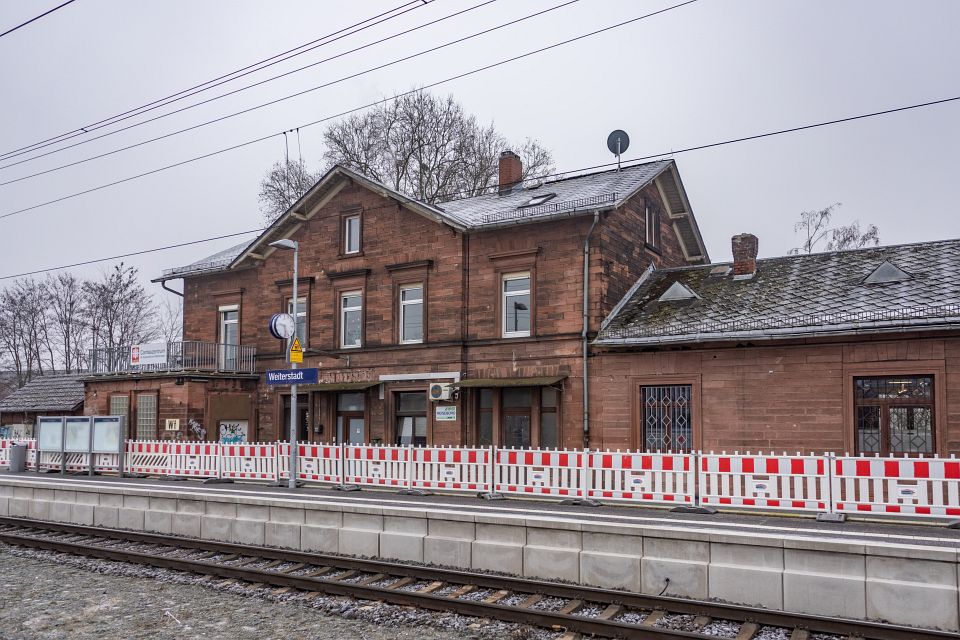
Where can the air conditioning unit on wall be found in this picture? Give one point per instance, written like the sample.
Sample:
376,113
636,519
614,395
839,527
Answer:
440,391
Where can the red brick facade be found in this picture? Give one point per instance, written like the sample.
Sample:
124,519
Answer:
461,274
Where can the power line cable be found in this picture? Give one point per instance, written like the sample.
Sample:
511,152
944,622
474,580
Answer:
407,199
349,111
239,73
263,104
46,13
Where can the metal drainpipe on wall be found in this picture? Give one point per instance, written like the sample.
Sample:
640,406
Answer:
585,331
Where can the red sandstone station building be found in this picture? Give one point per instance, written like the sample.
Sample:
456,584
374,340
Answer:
577,312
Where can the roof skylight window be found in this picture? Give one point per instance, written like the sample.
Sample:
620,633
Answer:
887,272
538,200
677,293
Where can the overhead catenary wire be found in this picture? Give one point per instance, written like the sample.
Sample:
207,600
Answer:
349,111
406,199
35,18
269,102
239,73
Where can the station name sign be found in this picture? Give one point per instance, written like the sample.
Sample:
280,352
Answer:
293,376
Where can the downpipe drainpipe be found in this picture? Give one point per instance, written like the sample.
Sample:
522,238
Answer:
163,283
585,331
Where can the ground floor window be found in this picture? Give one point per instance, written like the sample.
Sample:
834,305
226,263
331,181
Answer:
411,416
520,417
351,427
894,414
666,420
146,416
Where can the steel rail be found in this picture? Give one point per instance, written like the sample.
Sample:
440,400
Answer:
30,533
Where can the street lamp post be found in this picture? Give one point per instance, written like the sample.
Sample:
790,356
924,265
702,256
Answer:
292,245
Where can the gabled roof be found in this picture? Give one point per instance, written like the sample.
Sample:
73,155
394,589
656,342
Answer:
571,196
803,295
52,392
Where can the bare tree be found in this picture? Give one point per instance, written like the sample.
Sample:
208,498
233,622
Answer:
170,319
426,147
814,227
24,330
282,186
66,317
119,309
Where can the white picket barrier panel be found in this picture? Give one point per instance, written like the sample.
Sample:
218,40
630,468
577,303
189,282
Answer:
451,469
759,481
148,457
194,459
377,466
541,472
315,462
249,461
928,487
669,478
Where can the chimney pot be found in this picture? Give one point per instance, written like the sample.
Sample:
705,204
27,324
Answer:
745,247
511,171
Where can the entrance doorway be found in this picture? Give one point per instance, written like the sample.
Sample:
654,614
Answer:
303,418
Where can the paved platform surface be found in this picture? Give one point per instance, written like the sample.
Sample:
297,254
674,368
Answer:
913,532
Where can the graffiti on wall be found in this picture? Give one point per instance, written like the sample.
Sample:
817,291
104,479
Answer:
197,429
233,431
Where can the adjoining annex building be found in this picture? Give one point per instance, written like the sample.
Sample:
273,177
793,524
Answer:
577,312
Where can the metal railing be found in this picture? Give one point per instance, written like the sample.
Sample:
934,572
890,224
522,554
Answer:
188,355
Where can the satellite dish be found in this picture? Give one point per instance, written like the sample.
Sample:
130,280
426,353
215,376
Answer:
617,143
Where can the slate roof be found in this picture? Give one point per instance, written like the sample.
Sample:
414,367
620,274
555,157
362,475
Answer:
803,295
52,392
584,192
571,196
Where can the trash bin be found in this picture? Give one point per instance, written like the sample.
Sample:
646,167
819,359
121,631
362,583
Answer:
18,458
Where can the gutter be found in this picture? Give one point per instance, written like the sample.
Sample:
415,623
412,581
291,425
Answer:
585,331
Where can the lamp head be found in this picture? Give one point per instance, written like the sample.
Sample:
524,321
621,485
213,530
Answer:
284,244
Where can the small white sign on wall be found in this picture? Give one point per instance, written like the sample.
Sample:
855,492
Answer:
446,413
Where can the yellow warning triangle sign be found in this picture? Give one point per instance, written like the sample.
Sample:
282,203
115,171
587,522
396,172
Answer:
296,351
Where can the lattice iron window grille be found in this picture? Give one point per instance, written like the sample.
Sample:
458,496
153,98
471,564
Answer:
666,418
894,414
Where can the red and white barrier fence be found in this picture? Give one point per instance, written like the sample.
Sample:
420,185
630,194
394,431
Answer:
764,481
376,466
668,478
928,487
911,486
452,469
249,461
539,472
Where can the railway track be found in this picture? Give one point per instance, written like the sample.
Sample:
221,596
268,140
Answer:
570,608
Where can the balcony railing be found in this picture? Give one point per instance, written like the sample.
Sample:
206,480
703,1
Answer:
187,355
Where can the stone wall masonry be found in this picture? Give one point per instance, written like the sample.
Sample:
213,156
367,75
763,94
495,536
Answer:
900,583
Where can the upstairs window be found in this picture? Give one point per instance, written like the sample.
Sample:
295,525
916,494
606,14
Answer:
411,313
351,234
351,319
894,414
516,305
653,227
300,315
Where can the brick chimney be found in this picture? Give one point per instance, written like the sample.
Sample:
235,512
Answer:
745,247
511,171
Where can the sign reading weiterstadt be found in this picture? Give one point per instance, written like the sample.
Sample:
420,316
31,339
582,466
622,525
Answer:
292,376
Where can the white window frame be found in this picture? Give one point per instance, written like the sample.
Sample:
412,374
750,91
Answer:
504,295
221,311
651,220
343,318
403,311
301,300
347,237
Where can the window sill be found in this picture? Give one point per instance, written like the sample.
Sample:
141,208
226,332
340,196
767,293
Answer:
355,254
512,336
653,248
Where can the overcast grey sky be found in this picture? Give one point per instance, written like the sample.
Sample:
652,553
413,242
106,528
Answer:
713,70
